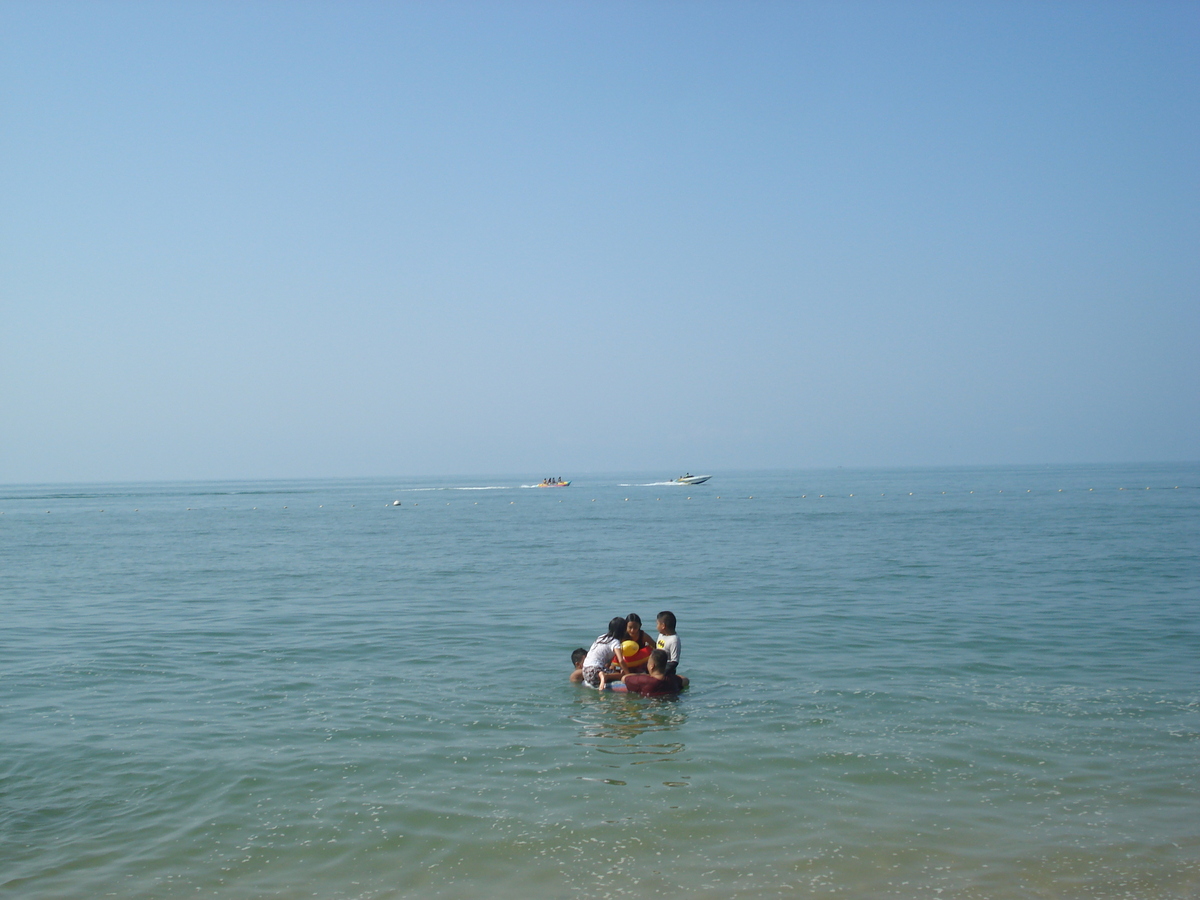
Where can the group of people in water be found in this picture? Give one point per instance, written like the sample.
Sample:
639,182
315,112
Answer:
626,658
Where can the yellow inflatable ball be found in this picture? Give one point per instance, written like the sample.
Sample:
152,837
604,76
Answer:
634,654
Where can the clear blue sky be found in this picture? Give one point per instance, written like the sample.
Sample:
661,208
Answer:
245,240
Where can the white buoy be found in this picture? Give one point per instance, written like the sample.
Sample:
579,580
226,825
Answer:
395,503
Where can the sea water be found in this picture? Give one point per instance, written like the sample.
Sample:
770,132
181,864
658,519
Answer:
964,683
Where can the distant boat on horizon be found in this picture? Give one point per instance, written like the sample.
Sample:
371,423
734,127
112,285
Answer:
553,482
692,479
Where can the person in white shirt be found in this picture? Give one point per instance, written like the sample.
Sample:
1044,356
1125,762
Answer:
668,640
604,652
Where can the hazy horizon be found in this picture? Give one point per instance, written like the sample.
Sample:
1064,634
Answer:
315,240
525,479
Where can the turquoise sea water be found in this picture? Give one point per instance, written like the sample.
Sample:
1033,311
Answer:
967,683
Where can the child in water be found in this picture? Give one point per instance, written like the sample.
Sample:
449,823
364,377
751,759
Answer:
656,682
634,633
577,657
605,649
668,640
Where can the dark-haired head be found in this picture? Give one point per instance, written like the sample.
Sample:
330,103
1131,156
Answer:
658,660
616,628
578,655
667,618
633,627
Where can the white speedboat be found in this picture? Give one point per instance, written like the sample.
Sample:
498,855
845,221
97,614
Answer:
692,479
